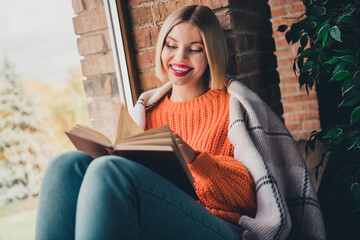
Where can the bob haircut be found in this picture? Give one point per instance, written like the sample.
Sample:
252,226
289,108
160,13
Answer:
212,35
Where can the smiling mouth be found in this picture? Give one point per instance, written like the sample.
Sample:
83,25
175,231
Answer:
180,71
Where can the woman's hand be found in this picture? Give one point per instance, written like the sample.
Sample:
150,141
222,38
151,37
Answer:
187,151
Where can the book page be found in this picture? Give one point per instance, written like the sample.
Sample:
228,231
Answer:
126,126
90,134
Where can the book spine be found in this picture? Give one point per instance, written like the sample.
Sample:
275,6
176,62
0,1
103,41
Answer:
110,150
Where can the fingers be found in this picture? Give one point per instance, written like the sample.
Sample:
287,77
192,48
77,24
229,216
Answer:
187,151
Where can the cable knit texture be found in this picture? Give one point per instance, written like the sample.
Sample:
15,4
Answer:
287,205
203,123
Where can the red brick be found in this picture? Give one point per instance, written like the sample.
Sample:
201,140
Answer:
136,2
301,116
106,125
90,21
291,79
102,106
291,107
285,62
303,134
286,90
225,20
149,81
299,97
96,65
281,42
281,21
312,105
91,44
285,72
278,11
311,125
91,4
107,40
293,126
213,4
283,52
146,37
78,6
296,7
257,82
248,64
281,2
145,59
106,84
277,35
141,16
163,9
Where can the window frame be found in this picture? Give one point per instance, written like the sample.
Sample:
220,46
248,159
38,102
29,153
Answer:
123,51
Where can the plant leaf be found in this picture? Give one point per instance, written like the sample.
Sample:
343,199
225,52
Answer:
331,61
307,53
325,37
346,19
323,30
288,36
294,67
296,36
304,40
352,143
348,59
323,2
317,11
355,116
333,132
355,190
282,28
341,75
350,99
303,78
307,66
335,33
347,85
340,66
296,27
315,71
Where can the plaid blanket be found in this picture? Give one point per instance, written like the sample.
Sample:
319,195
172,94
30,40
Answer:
287,205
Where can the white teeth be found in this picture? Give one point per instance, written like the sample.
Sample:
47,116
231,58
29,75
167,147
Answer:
178,69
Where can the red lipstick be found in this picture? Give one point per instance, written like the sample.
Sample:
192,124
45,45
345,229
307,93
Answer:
180,70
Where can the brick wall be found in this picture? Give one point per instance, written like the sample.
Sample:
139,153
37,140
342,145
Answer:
301,112
249,33
248,30
97,63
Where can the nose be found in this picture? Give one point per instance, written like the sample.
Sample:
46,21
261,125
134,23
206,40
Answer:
181,54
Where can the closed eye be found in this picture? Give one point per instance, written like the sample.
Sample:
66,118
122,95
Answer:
170,46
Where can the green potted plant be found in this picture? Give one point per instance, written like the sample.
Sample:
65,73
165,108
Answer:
329,58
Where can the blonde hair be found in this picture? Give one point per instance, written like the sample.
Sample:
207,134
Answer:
212,35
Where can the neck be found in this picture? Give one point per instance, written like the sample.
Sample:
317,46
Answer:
184,93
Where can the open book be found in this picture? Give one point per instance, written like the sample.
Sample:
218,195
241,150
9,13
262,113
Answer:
155,149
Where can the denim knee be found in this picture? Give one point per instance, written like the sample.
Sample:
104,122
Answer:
68,162
109,169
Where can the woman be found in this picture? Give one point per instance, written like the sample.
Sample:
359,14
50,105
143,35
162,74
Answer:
251,181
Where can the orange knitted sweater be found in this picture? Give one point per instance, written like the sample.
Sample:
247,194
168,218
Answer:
224,186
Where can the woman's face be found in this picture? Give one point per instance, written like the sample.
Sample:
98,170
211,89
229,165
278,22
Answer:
183,55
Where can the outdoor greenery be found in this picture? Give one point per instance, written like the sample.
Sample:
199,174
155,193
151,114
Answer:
328,37
21,157
34,116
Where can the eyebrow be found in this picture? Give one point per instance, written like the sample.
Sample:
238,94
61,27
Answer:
194,42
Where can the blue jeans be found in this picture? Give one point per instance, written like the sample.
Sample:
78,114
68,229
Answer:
114,198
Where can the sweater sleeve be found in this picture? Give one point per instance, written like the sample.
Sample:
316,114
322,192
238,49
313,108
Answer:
224,186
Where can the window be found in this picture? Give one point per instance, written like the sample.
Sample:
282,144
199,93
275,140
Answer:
123,51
